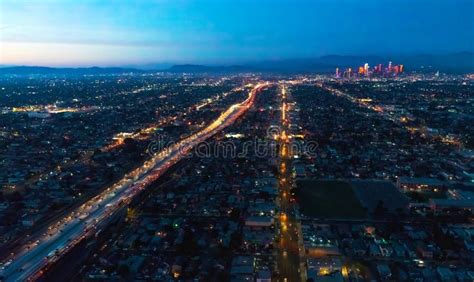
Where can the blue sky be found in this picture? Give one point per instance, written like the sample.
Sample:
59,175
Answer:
106,33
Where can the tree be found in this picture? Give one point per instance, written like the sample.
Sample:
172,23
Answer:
235,240
130,145
235,214
189,245
123,270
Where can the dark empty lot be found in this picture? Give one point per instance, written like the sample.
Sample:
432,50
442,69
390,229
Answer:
331,199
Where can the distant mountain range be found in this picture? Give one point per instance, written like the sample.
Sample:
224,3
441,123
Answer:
30,70
462,62
188,68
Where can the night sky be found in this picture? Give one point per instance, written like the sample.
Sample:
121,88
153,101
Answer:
113,33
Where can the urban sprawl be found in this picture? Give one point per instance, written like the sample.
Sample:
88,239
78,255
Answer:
362,174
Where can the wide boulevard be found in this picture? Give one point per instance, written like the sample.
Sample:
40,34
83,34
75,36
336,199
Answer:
289,247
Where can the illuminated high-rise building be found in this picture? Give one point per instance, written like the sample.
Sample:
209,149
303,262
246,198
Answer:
366,69
361,70
390,67
350,72
337,72
401,68
396,69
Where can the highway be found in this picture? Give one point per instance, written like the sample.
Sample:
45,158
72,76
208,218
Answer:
29,261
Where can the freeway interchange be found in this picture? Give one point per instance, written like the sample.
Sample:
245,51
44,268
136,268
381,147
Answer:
42,250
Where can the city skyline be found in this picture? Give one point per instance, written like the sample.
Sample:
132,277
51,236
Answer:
209,32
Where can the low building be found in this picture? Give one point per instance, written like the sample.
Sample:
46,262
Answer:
264,276
384,271
419,184
446,204
259,221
